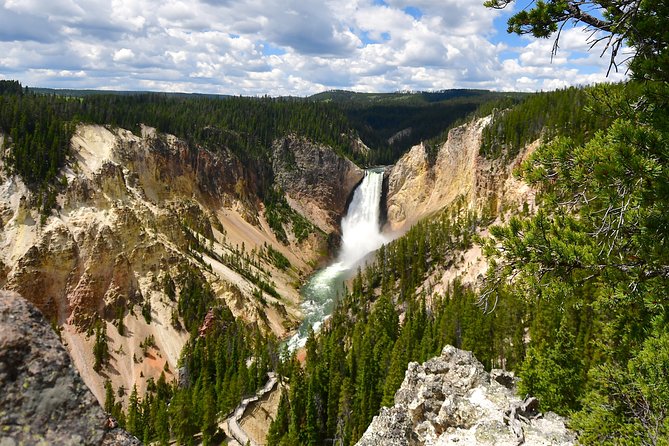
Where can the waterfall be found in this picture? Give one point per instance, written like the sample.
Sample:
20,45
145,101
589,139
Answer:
361,235
360,230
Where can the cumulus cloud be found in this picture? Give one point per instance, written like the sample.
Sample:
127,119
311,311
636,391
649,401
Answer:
123,55
292,47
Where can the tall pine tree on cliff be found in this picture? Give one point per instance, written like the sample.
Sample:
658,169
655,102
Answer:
596,260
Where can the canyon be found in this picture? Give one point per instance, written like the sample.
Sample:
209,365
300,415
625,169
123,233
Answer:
131,215
136,210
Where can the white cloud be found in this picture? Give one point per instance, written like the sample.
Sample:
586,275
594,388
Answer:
60,9
291,47
123,55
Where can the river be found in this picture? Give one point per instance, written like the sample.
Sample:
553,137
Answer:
361,235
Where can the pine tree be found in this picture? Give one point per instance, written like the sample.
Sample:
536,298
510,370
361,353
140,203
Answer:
396,371
161,422
208,403
133,421
592,265
109,397
100,347
553,373
181,418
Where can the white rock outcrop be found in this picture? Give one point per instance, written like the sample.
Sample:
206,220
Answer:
451,399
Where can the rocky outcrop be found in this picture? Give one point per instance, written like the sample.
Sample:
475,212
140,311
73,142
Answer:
315,179
451,399
44,400
418,187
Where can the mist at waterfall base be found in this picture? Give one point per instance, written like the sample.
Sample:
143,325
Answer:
361,235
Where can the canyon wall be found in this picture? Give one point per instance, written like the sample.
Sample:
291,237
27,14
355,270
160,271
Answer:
457,176
316,180
418,186
136,212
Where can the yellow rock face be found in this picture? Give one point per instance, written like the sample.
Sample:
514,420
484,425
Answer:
417,189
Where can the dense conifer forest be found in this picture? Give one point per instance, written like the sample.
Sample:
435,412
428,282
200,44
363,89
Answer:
392,123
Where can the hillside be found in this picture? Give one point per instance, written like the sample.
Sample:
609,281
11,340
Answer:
512,268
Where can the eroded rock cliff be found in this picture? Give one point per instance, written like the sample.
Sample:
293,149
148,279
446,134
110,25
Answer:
136,212
44,400
456,177
315,178
451,399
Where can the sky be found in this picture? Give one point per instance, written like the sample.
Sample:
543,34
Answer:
287,47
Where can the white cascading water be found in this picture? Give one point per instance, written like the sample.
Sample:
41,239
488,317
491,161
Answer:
360,231
361,235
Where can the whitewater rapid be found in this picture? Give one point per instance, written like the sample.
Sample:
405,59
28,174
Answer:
361,235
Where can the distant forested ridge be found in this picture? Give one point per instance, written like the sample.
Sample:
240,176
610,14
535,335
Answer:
391,123
245,126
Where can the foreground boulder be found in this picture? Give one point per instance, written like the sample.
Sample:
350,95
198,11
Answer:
451,399
44,400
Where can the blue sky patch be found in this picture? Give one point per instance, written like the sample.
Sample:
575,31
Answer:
270,50
413,12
